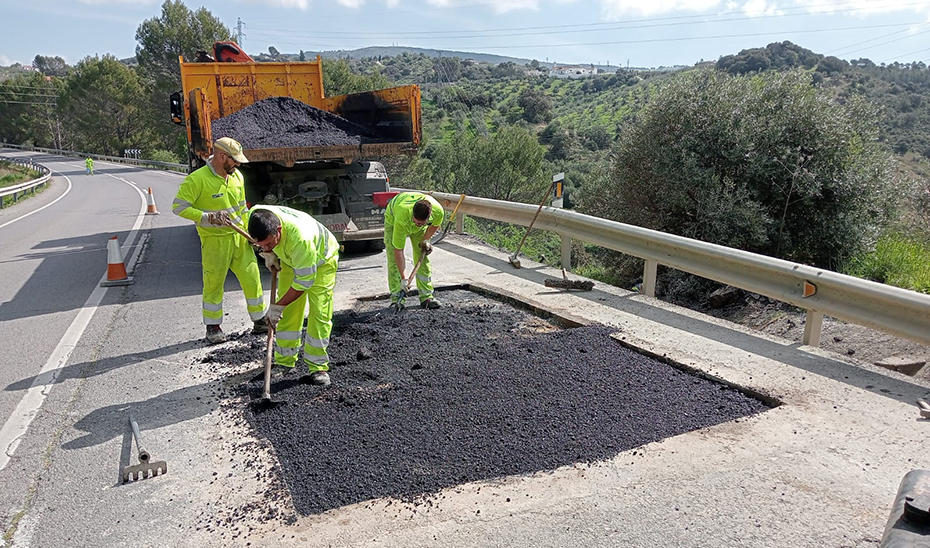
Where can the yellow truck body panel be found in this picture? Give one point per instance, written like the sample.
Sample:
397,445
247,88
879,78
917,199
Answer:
215,90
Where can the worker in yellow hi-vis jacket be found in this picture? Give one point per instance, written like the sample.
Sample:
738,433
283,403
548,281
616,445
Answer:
307,256
214,198
416,216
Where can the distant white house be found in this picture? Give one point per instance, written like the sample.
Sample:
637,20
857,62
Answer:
572,71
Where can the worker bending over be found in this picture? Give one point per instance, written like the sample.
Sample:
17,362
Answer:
214,198
416,216
89,165
307,256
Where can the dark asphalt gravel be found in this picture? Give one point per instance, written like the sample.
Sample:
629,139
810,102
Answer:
283,122
473,391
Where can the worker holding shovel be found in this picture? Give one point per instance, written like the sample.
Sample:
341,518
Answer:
416,216
307,255
213,197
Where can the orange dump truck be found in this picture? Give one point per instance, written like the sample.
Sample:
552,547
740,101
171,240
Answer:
326,180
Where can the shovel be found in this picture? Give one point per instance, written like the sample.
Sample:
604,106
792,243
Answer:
266,402
407,282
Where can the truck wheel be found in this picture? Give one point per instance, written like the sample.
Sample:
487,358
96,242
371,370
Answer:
375,245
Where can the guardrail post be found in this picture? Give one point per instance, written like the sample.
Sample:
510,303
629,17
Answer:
460,223
813,326
649,278
566,251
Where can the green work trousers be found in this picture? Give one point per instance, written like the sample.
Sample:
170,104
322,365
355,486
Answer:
219,255
424,277
319,300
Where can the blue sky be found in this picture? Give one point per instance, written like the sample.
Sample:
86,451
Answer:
641,33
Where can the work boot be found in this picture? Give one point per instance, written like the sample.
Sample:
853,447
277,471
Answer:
215,334
319,378
259,327
430,304
279,372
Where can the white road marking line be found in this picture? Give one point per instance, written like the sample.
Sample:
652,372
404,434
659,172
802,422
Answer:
46,205
16,426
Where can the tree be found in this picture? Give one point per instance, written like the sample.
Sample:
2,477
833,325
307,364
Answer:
505,166
766,163
28,111
537,107
274,53
50,66
338,79
303,56
178,31
448,69
104,102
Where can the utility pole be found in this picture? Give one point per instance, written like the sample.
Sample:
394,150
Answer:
239,34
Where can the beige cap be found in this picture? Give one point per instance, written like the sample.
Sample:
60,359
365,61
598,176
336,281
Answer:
233,148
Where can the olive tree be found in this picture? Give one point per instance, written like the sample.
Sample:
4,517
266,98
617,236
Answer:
767,163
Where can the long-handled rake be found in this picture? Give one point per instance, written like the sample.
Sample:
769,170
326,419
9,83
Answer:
146,468
513,258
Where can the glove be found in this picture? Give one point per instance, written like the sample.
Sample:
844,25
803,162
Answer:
273,316
426,247
219,218
271,261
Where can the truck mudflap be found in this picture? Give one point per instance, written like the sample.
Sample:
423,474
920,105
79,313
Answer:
345,230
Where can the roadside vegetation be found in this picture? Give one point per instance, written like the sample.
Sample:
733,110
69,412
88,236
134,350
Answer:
776,150
14,174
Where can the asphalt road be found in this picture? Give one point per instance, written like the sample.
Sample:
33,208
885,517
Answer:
821,469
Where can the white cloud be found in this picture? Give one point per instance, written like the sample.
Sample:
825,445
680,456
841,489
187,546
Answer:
392,3
862,7
501,6
5,61
615,9
351,3
299,4
102,2
758,8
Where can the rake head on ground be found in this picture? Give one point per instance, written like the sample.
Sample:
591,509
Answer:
144,470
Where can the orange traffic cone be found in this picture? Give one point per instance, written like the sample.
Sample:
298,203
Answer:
150,201
116,270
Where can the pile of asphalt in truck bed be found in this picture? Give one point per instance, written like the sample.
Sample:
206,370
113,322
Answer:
476,390
283,122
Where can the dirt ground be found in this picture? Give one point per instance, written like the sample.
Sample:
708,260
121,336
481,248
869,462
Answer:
855,342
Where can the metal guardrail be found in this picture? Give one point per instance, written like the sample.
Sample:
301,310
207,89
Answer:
115,159
29,186
889,309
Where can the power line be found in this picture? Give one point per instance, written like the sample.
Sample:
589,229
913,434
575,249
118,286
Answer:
673,39
27,103
888,42
26,94
548,30
902,55
876,38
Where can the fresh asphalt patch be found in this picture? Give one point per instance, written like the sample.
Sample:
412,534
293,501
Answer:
477,390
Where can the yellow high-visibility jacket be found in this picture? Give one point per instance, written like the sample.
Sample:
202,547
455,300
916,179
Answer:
399,216
203,192
305,244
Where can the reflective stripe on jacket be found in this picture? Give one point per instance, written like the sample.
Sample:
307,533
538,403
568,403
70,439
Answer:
399,216
203,192
305,244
